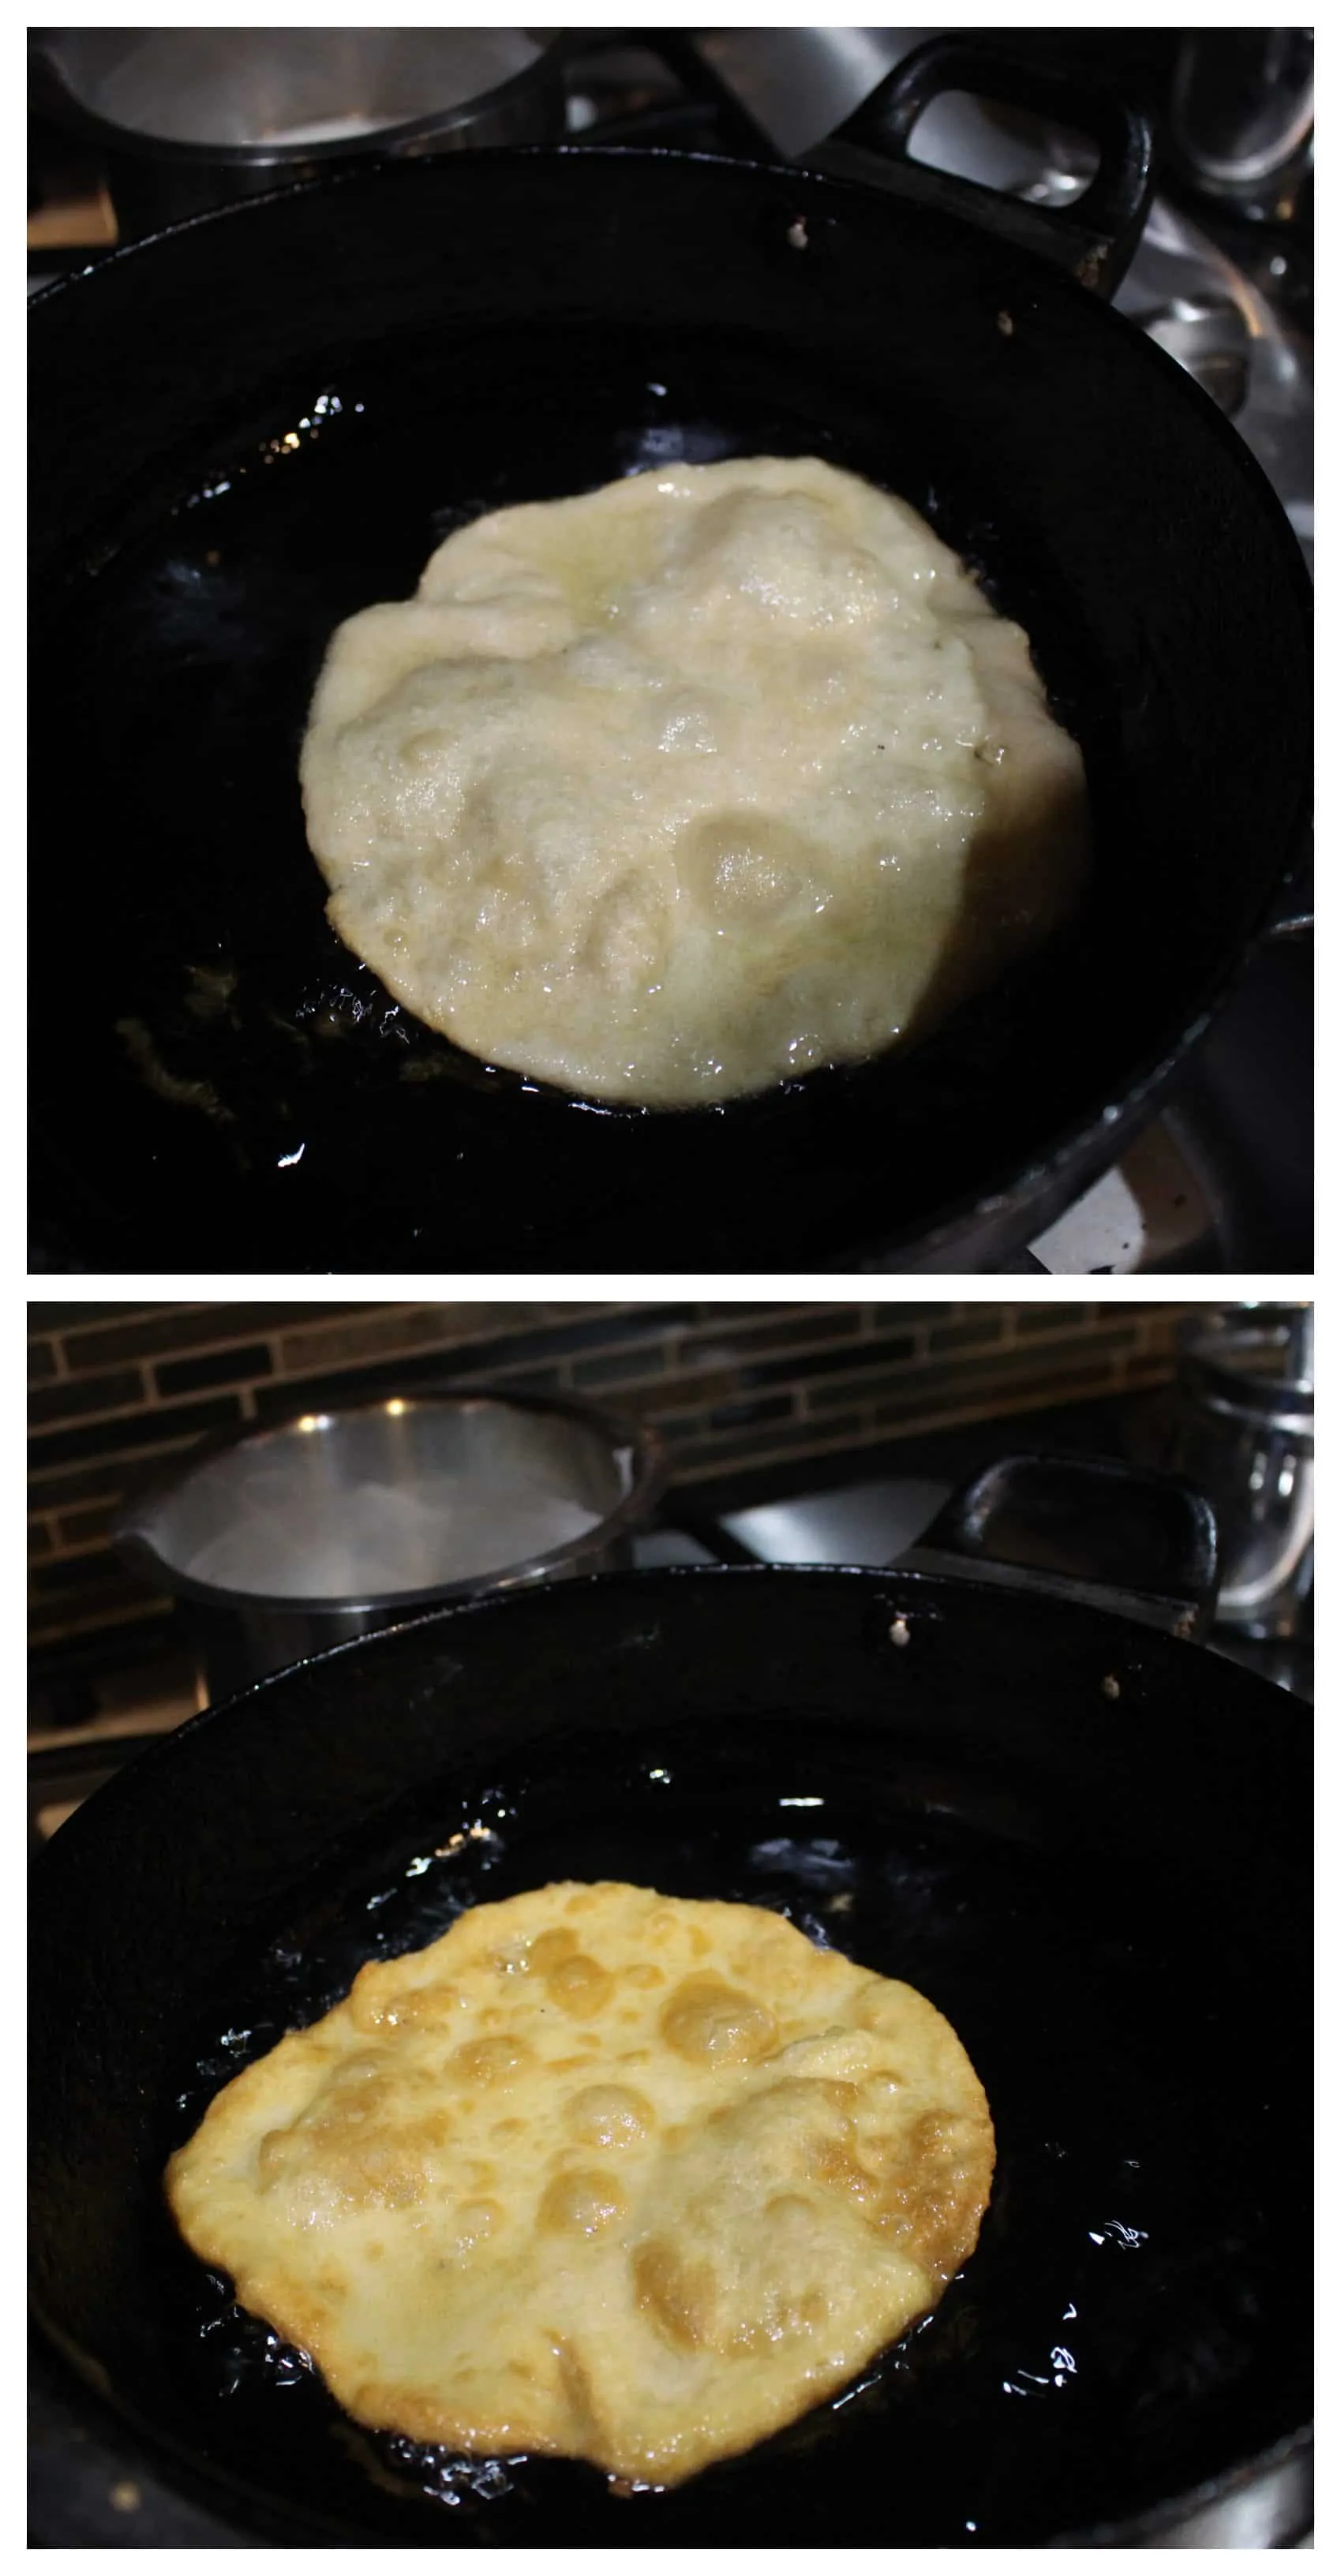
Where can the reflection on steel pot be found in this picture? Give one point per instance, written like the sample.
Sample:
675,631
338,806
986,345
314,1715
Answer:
189,117
281,1541
1244,1435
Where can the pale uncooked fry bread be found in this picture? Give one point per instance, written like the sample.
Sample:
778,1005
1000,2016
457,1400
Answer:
681,787
600,2172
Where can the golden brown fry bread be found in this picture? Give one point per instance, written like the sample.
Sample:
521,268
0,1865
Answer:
600,2172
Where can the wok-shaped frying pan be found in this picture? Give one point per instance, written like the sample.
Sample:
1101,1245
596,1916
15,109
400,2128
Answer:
265,419
1086,1842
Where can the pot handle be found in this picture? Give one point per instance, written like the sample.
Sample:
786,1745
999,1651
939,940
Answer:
1095,1530
1094,237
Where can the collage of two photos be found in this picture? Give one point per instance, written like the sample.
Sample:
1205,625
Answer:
654,1815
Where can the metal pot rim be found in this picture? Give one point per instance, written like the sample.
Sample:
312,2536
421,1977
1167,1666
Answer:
1207,1353
647,1477
289,159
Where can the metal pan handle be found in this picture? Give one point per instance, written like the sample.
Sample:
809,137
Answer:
1095,1530
1094,237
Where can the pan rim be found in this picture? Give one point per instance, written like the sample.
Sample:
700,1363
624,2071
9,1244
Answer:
1108,1628
375,169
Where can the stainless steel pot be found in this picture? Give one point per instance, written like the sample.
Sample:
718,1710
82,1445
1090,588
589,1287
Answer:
282,1541
186,118
1243,1433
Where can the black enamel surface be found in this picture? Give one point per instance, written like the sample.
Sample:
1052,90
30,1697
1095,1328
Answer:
257,424
1107,1894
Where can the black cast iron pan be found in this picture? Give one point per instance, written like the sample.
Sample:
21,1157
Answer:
262,420
1086,1842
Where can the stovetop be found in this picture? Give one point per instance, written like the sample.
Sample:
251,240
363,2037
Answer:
1221,1181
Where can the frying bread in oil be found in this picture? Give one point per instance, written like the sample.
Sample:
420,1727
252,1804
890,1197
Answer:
678,788
601,2172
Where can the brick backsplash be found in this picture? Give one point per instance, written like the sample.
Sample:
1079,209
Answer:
116,1391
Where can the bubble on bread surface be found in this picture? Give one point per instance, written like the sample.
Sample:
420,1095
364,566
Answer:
629,2178
672,790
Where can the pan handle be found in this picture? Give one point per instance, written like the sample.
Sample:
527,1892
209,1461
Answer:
1094,237
1095,1530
